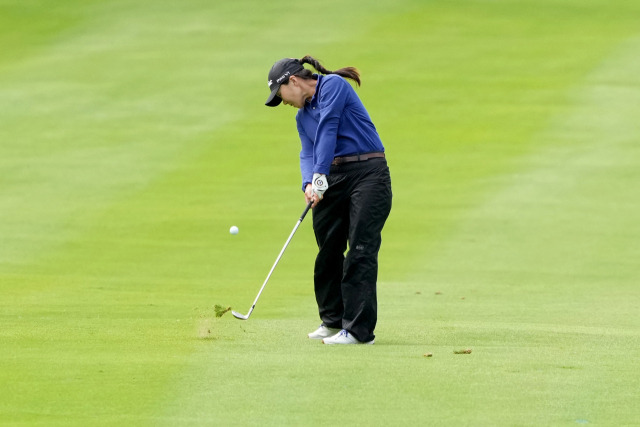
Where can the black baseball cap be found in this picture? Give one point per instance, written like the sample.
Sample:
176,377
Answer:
279,74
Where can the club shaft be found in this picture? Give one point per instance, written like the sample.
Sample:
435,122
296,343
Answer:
279,256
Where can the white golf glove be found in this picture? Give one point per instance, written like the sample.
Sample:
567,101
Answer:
319,184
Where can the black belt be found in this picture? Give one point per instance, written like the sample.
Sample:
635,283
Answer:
356,158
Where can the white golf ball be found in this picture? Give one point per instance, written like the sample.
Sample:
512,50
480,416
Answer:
234,230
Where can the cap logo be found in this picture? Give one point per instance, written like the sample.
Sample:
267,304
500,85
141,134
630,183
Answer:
270,83
282,77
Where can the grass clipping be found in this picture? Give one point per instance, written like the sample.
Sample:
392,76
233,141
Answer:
220,310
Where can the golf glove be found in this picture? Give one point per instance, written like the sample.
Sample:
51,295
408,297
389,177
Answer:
319,184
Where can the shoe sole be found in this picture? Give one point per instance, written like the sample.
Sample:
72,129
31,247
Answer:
351,343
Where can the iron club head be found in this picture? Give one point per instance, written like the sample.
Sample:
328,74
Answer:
239,316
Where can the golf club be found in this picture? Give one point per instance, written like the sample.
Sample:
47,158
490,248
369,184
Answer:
245,317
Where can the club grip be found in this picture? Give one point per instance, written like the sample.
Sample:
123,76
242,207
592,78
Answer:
306,210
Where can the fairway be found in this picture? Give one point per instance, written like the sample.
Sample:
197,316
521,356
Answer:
134,134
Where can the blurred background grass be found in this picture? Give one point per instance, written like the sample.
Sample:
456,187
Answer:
133,135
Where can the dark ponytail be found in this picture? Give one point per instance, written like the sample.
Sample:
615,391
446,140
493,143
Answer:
346,72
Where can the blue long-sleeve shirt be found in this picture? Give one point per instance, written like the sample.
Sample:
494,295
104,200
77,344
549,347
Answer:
333,124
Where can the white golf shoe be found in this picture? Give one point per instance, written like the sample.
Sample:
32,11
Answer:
323,332
343,337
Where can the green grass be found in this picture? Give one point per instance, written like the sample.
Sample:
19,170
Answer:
133,135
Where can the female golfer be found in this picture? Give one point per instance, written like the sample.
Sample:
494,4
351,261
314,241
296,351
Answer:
345,174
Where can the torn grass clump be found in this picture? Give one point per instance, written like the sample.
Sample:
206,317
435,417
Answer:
220,310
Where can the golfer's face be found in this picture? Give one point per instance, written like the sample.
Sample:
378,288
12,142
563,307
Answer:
291,94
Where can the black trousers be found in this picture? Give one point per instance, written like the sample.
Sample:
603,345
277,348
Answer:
352,212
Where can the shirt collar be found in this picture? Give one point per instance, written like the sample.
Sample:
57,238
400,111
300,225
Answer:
314,98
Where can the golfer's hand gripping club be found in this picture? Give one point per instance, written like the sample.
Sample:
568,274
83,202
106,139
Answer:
319,184
245,317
